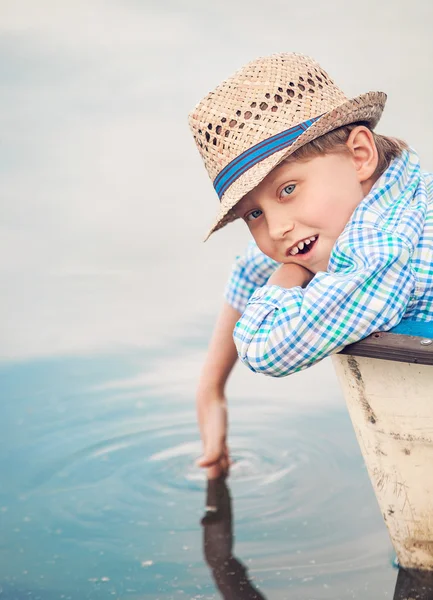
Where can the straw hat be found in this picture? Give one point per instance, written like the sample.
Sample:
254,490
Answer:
262,114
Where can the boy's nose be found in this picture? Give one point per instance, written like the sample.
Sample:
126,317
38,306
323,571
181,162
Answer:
278,230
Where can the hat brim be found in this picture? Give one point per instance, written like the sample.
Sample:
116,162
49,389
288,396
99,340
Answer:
366,107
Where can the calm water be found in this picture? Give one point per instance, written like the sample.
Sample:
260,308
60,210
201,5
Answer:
107,298
100,497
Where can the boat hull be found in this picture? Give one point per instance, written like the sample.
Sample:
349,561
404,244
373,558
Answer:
391,408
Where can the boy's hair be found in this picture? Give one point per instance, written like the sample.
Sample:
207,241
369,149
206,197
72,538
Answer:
388,148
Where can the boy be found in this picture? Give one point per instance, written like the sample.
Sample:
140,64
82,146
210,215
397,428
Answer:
342,221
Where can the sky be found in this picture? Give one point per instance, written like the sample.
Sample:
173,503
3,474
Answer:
104,200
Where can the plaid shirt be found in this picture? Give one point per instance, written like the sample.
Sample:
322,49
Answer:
380,271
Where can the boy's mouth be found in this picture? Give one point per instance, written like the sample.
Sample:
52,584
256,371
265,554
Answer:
302,247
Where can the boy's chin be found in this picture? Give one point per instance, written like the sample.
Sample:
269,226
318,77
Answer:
320,266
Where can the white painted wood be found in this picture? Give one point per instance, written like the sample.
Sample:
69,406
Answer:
391,407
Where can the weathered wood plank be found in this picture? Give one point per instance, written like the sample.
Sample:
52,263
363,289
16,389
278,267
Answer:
394,346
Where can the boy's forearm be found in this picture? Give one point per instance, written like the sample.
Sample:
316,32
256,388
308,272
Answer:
285,330
291,275
221,355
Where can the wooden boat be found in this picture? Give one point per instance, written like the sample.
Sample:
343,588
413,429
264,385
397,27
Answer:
387,381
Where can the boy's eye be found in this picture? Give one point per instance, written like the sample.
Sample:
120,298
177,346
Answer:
254,214
289,189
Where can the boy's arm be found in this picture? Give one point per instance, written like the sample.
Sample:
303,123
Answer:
211,401
249,272
220,360
367,288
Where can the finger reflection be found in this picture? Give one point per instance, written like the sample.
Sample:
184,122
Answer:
229,574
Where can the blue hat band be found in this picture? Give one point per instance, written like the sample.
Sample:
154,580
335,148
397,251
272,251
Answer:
257,153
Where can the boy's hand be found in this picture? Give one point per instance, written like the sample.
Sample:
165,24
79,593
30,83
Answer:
212,418
291,275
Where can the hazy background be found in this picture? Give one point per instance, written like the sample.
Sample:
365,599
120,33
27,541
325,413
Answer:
108,295
104,200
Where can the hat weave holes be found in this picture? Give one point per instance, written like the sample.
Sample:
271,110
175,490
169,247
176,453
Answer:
296,91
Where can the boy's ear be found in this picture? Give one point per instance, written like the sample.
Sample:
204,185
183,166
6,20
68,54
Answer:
364,152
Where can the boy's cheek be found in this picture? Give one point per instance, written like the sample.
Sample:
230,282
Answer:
264,245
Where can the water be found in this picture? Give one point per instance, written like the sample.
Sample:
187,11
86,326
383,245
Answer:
100,497
107,299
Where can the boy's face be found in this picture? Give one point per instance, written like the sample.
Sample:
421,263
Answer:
298,211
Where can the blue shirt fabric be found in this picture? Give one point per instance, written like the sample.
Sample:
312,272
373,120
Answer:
380,272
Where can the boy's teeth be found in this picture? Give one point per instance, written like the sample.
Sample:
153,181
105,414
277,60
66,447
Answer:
300,245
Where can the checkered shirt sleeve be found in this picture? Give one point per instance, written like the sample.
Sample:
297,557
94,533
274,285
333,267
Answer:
250,271
367,288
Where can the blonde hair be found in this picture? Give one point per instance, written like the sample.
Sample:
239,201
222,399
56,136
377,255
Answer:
388,148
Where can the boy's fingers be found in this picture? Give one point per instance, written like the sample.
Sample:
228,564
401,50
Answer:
212,454
208,459
214,468
214,472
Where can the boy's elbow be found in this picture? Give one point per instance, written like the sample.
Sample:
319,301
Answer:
261,359
262,347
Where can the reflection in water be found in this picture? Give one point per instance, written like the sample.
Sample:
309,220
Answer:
229,573
97,458
414,585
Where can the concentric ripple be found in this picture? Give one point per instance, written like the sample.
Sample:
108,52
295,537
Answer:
287,473
106,464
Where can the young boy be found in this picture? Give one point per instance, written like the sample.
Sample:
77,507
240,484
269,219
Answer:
342,221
